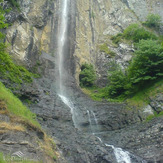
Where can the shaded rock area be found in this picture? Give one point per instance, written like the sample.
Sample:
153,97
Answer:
20,140
157,103
143,139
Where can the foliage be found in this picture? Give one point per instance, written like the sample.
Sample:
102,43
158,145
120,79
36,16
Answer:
95,93
104,48
8,69
87,75
117,83
135,32
7,159
14,3
147,64
150,117
15,106
116,39
153,21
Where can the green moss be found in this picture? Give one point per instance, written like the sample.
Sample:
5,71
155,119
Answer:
87,75
156,115
116,39
99,94
7,159
14,3
104,48
15,106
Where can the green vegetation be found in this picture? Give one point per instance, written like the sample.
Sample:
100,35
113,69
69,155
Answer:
87,75
147,64
14,3
135,33
150,117
116,39
8,69
153,21
7,159
104,48
15,106
96,94
144,71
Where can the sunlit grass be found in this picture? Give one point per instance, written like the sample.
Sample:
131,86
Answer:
15,106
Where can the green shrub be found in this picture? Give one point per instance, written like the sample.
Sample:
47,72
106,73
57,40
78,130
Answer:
87,75
135,32
10,71
104,48
117,83
153,21
116,39
147,64
145,67
14,3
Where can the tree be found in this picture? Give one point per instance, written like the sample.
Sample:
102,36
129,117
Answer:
135,32
118,81
153,20
147,64
87,75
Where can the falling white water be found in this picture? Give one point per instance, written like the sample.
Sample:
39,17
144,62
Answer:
95,119
61,43
72,107
121,156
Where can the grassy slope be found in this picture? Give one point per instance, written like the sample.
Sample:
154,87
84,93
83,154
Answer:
15,106
138,100
20,112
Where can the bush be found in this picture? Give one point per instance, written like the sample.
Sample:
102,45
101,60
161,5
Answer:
87,75
14,3
117,83
116,39
135,32
147,64
104,48
10,71
153,20
145,67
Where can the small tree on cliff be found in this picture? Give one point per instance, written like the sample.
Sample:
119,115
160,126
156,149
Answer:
87,75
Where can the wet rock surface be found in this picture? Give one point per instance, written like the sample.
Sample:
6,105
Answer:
116,126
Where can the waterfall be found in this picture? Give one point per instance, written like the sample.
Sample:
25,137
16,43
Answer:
93,122
72,107
62,37
121,155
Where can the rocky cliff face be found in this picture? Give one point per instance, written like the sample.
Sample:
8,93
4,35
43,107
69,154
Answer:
98,20
32,38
